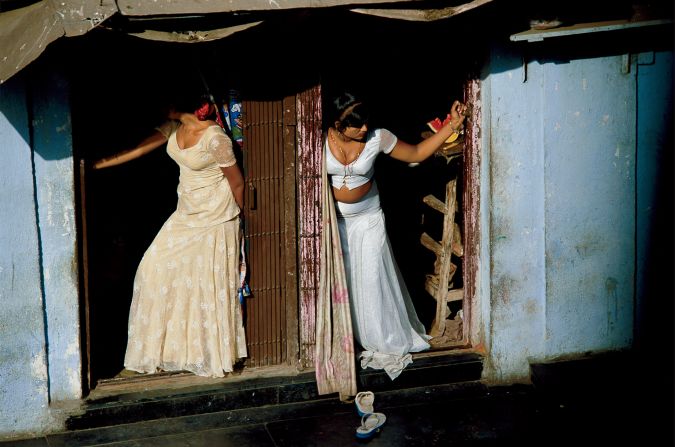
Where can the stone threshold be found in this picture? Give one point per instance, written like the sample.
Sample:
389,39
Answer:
128,401
325,406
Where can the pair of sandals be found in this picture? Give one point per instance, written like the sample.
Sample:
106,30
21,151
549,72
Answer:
371,422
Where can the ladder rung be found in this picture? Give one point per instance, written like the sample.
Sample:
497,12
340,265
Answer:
431,286
435,204
457,247
431,244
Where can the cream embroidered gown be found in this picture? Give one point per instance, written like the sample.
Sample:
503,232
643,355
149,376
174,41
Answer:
185,312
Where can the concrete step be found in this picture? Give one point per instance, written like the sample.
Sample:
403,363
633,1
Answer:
150,432
236,398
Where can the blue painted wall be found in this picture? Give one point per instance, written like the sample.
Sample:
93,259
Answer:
40,365
559,204
53,160
589,149
23,373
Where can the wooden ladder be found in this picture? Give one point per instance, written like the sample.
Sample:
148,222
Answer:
439,285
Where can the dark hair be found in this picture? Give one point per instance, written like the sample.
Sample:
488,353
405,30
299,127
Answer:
189,103
348,111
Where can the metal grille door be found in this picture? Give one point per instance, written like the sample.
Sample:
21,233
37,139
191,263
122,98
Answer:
266,214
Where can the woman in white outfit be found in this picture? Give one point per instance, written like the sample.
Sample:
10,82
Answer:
384,321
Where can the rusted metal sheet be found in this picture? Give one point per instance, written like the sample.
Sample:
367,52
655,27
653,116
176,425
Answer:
80,16
26,32
422,15
309,210
471,194
162,7
193,36
264,198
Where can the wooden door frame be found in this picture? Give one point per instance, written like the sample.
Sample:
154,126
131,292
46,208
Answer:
290,229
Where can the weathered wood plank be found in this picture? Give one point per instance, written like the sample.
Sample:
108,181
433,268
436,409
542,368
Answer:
438,326
448,268
431,286
436,204
471,200
164,7
290,230
457,247
428,242
455,295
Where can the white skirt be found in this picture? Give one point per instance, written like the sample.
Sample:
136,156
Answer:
384,320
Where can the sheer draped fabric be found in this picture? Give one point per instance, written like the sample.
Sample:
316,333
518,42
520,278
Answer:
334,356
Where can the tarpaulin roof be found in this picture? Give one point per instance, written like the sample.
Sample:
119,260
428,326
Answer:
25,32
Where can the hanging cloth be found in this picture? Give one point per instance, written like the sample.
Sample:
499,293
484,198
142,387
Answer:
235,115
334,352
244,289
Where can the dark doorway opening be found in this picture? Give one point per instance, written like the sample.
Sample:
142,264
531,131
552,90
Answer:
119,98
116,103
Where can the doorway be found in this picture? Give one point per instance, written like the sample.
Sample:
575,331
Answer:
122,208
114,106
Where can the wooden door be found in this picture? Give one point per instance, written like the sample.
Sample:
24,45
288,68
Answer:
270,216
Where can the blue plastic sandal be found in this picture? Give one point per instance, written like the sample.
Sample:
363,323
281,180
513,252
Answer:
370,425
364,402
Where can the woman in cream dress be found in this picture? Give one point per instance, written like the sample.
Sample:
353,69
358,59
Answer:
185,313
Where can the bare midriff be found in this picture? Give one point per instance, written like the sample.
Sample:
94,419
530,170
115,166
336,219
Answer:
346,195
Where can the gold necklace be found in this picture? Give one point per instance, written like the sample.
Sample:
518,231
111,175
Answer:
349,167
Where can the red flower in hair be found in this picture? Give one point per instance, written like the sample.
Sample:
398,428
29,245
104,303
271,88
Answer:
204,111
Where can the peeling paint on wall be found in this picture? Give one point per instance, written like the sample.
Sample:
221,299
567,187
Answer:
54,179
309,204
38,368
612,303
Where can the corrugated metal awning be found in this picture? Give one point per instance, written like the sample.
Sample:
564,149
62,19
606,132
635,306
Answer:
26,32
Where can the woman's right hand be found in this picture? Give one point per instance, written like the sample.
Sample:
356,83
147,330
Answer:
99,164
89,165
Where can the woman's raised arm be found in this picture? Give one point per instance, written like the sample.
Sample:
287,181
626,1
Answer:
149,144
415,153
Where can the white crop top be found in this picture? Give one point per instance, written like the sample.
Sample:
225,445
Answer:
360,171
